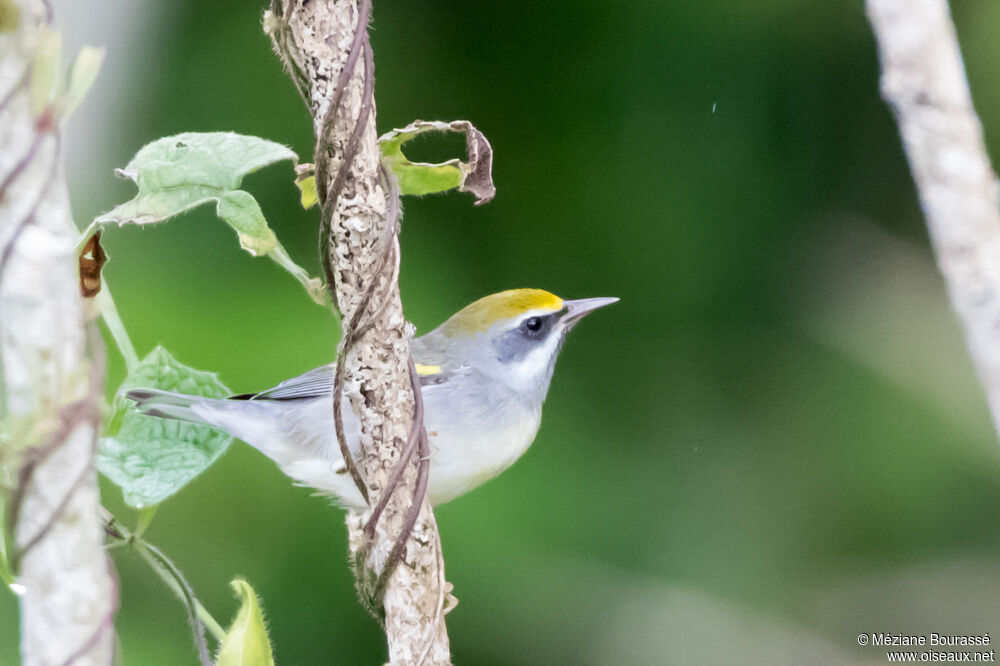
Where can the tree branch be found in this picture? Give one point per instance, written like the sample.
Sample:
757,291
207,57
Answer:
924,82
49,388
324,46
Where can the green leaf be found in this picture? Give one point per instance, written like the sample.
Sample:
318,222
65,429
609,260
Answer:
82,75
48,88
307,189
242,212
6,575
246,642
152,458
9,16
177,173
417,178
474,175
46,71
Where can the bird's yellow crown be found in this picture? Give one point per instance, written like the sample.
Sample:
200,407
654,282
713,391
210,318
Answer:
488,310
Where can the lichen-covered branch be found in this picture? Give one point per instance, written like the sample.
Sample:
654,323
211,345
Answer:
325,47
50,376
924,82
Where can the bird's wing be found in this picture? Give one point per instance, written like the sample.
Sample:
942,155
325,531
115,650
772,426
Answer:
313,384
318,382
434,367
433,375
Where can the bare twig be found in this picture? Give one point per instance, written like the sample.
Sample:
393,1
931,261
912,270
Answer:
924,82
327,41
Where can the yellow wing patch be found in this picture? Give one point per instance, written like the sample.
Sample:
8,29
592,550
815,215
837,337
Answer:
488,310
424,370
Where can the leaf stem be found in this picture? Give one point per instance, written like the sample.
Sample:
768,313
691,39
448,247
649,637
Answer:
5,573
314,286
169,575
145,518
109,313
164,568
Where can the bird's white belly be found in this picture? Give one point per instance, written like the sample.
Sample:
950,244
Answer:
463,458
466,449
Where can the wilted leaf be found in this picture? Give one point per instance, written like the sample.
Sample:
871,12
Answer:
246,642
177,173
92,259
474,175
152,458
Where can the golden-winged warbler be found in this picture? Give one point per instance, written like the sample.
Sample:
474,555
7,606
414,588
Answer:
483,373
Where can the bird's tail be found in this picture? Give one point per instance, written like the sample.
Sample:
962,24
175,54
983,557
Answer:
167,405
299,437
258,423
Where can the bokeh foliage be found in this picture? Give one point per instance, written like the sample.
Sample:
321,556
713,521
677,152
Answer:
776,428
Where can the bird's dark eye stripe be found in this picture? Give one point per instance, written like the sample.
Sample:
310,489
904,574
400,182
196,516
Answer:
521,339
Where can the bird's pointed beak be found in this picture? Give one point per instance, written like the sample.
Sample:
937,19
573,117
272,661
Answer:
576,310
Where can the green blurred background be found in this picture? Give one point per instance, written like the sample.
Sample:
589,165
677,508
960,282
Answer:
775,441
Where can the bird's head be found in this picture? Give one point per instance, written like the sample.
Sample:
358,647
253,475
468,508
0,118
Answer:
513,336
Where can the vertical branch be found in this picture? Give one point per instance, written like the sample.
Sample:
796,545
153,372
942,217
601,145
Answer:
924,82
49,388
324,46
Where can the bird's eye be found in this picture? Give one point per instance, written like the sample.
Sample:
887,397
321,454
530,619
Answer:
533,324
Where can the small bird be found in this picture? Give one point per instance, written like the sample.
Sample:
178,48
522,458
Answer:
484,374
